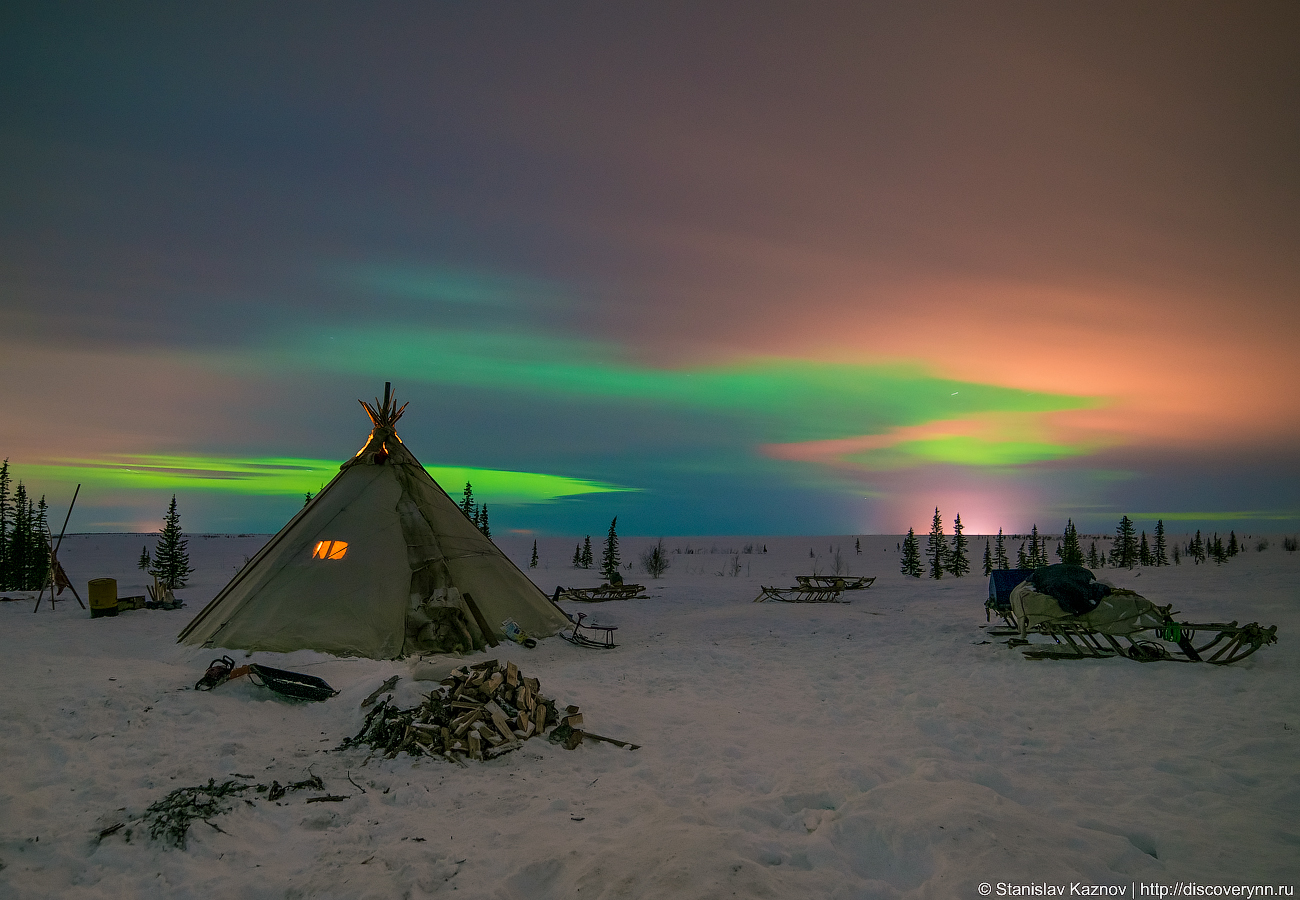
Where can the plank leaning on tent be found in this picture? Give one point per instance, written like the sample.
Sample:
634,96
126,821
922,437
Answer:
381,563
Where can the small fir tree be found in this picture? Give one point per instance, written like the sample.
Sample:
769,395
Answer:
1144,551
577,556
306,498
1092,555
532,563
936,548
1022,559
467,504
911,559
144,561
1000,552
1196,549
1069,550
587,558
1159,555
1177,559
1233,547
958,564
609,561
857,545
482,522
1037,556
988,558
1125,550
171,560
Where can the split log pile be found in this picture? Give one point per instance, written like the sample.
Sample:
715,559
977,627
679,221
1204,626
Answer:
481,711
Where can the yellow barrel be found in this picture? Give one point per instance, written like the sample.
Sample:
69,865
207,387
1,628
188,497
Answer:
103,597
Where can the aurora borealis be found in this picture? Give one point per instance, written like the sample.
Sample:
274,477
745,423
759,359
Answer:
714,268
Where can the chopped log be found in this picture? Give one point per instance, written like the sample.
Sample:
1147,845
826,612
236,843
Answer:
498,718
609,740
512,674
383,688
475,745
503,749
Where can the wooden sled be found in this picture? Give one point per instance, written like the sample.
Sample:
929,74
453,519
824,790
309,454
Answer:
1227,642
596,637
801,595
593,636
839,582
605,592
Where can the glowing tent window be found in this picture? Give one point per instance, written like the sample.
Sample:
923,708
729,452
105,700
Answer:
330,550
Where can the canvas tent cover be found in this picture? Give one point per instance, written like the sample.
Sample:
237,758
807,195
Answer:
381,563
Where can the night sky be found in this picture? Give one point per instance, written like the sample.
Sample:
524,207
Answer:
714,268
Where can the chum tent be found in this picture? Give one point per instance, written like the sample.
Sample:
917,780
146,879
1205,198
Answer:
381,563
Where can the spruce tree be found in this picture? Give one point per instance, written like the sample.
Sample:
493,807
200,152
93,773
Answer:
1037,549
1092,555
1069,551
1177,560
988,558
171,560
857,545
1125,551
609,561
586,552
1158,551
144,562
958,564
1233,547
911,559
1022,559
6,527
936,548
1196,550
482,522
467,504
20,541
577,556
532,563
1000,552
1144,551
306,498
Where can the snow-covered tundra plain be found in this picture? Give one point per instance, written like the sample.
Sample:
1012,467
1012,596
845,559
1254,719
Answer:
882,748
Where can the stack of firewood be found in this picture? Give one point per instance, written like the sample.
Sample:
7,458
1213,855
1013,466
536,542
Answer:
481,711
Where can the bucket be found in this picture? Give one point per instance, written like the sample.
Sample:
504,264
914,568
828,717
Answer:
103,597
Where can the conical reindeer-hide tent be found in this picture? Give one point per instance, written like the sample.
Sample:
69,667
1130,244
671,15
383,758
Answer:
381,563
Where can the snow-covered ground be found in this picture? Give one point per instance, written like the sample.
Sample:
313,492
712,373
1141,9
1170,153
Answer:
875,749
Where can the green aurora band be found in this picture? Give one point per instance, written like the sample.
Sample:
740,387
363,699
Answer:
769,400
288,476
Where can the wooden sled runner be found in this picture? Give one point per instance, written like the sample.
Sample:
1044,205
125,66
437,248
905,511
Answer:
1175,641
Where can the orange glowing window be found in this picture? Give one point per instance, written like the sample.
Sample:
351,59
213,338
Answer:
330,550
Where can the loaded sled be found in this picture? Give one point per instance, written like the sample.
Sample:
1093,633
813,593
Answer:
605,592
1086,619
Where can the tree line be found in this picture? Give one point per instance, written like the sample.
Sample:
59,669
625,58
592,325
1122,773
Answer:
1127,550
24,536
